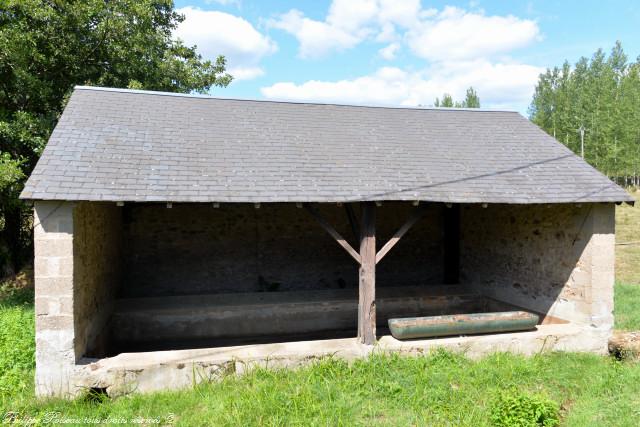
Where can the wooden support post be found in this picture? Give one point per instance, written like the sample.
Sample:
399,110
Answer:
452,244
367,287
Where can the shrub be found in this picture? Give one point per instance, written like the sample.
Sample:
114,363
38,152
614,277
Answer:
515,409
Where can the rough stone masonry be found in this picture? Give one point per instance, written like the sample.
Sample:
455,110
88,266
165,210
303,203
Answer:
553,259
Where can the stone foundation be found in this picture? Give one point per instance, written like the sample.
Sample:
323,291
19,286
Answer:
161,370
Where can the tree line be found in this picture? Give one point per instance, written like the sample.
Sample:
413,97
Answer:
598,100
471,100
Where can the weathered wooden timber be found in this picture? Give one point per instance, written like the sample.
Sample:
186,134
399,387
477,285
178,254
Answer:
462,324
367,274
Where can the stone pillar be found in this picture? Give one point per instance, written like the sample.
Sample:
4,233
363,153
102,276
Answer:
53,270
602,249
77,274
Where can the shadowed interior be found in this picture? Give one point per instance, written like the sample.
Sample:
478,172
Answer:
197,276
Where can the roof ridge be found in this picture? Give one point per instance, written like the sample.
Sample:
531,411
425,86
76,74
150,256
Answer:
204,96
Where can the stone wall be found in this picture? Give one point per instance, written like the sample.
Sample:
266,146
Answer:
76,275
554,259
97,274
198,249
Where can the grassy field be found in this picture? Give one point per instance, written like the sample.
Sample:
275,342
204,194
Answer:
438,389
627,292
628,243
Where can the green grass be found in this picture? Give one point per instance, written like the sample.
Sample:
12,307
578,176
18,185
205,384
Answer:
438,389
627,307
16,340
627,290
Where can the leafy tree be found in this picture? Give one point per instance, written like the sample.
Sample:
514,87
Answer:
472,100
447,101
47,47
601,95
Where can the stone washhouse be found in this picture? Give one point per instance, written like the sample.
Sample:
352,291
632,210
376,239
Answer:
182,237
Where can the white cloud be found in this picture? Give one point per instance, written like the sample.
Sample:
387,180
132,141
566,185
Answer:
389,52
452,33
381,87
316,38
458,34
348,23
405,13
245,73
387,33
218,33
352,15
460,48
500,85
235,3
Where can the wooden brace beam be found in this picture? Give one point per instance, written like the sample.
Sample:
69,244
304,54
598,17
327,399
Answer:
415,217
332,231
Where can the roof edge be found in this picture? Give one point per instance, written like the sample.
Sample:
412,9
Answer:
207,200
284,101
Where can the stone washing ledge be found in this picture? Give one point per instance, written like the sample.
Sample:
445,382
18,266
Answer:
174,369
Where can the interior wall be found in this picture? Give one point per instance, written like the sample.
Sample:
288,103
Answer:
539,257
197,249
96,273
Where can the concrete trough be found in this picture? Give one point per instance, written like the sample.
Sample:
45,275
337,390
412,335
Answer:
165,323
462,324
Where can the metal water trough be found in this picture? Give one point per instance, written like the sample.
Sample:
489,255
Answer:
462,324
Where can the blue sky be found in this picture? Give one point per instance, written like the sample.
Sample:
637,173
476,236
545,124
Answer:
401,52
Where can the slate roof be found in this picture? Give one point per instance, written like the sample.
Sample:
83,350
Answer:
126,145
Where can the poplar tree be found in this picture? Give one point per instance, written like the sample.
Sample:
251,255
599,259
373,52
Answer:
471,100
600,94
